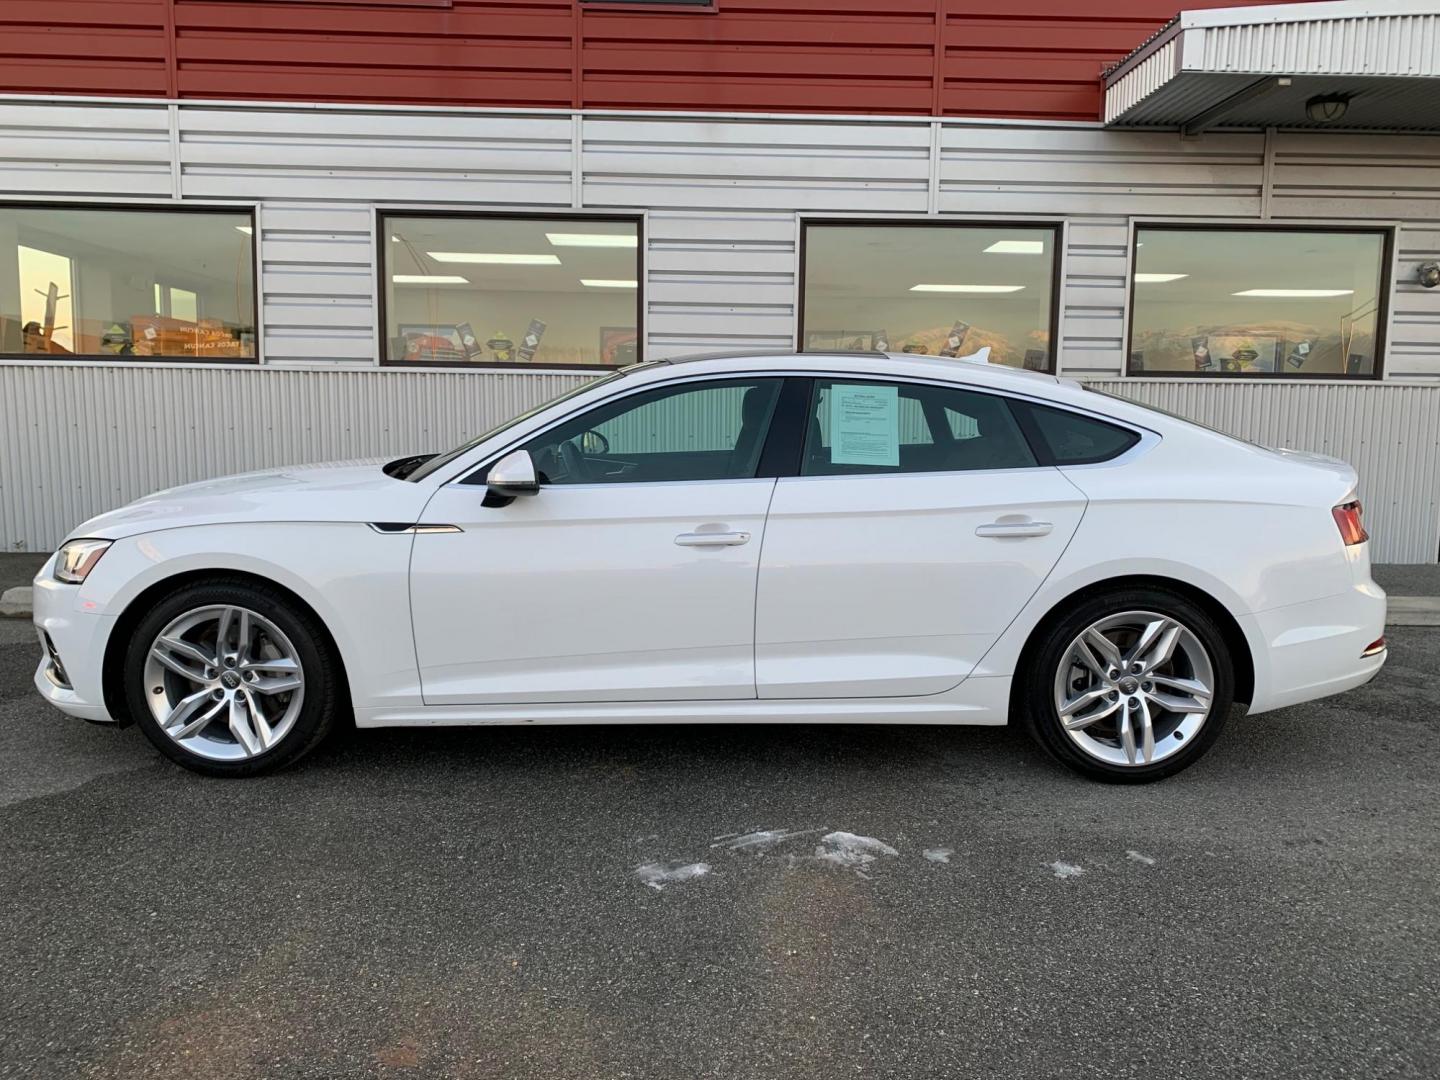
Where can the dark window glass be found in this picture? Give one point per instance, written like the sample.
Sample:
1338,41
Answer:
1256,302
945,290
127,283
1073,439
876,427
696,431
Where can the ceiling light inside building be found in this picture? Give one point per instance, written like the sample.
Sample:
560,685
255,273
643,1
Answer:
429,279
608,283
1016,247
604,240
494,258
1295,294
1158,279
966,288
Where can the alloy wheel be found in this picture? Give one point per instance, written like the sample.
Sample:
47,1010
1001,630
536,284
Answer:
224,682
1135,688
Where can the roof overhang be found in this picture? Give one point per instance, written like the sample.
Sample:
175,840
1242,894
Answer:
1259,67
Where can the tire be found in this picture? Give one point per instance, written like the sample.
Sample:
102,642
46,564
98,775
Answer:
241,710
1163,695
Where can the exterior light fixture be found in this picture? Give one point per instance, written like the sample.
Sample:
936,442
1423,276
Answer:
1430,274
1327,108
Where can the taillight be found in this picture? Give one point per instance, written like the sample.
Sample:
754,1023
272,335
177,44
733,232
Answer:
1347,517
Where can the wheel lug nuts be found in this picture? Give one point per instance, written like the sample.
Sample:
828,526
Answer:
218,695
1137,666
1147,687
1112,695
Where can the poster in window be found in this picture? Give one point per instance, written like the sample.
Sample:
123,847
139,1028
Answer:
845,340
1245,353
469,342
530,342
955,339
1298,354
1200,347
618,345
431,343
1035,359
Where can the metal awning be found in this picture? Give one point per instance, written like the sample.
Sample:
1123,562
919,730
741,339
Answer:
1357,65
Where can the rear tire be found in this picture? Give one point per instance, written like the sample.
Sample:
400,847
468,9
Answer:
1127,686
232,678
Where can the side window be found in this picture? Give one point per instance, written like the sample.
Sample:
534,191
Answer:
1073,439
695,431
876,427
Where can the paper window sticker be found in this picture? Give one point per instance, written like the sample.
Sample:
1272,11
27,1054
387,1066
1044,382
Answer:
864,424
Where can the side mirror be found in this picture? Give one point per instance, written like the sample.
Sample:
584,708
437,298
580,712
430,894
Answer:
512,476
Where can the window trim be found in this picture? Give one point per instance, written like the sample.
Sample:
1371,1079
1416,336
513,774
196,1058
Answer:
1382,315
230,209
382,277
1056,227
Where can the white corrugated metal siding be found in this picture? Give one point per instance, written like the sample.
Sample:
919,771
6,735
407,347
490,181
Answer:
723,198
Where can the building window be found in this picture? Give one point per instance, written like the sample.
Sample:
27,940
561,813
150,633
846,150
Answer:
942,289
1306,303
106,282
536,291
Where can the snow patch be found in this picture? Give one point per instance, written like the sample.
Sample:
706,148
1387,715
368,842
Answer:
1065,869
851,851
938,854
759,840
1135,856
657,874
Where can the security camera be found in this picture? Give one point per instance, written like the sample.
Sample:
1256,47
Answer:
1430,274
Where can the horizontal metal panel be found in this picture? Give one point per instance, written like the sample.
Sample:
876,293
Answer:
1391,434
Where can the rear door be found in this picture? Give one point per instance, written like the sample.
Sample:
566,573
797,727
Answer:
919,526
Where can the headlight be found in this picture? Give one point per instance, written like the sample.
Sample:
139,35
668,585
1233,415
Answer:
77,558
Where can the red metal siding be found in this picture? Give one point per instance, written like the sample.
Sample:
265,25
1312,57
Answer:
998,58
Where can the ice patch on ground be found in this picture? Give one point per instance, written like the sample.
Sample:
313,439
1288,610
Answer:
759,840
657,874
851,851
1135,856
938,854
1065,869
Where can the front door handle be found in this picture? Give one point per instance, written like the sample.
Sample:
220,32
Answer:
1015,528
712,539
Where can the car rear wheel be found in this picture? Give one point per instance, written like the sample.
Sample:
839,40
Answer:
1128,686
231,679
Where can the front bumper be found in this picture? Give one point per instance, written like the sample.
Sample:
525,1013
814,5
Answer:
77,638
1312,650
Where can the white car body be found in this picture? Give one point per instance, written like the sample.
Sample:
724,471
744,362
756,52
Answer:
856,598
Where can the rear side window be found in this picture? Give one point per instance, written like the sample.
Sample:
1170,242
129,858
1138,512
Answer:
861,427
1067,438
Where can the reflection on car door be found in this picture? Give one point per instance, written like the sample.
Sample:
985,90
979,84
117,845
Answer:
629,577
919,526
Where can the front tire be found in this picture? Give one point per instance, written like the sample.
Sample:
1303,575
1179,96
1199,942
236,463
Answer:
231,678
1128,686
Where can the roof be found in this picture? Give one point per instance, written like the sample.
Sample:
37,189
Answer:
898,364
1377,61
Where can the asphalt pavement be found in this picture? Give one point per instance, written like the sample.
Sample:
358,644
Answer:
596,903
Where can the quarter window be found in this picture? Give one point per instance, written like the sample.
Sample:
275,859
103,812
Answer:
542,291
945,290
1067,438
877,427
122,283
698,431
1257,302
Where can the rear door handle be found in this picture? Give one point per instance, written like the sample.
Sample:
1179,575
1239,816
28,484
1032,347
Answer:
712,539
1015,528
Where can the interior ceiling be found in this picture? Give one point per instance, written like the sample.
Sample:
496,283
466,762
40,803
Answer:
886,262
409,240
203,245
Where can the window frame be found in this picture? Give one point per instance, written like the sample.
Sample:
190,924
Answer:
229,209
382,278
1383,313
1055,225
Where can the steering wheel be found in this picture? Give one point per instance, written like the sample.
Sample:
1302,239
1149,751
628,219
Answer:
575,463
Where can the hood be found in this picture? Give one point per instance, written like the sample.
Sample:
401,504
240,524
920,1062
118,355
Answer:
337,491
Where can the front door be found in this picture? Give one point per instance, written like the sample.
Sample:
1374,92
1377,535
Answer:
919,526
629,577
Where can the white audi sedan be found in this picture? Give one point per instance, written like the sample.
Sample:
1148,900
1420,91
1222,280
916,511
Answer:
858,538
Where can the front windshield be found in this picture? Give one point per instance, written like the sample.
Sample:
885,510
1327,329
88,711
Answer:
444,459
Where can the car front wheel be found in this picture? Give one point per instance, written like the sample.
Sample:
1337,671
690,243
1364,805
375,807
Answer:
1129,686
230,678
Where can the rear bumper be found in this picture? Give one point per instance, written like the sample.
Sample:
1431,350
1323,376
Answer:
1312,650
78,639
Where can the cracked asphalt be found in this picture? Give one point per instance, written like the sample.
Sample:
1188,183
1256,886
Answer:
592,902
